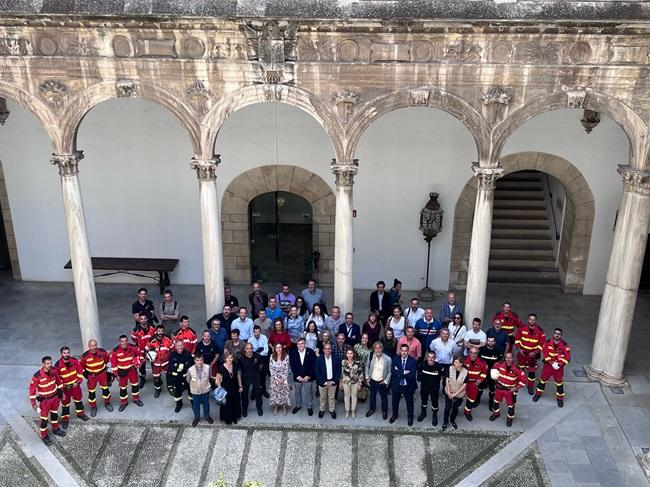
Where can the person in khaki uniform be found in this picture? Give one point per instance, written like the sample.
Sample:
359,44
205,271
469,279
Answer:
198,377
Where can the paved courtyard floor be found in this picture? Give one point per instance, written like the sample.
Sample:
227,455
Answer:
594,440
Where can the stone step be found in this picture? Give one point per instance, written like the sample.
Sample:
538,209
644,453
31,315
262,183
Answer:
499,223
524,277
522,176
520,233
508,194
519,204
519,214
521,244
520,254
540,265
519,185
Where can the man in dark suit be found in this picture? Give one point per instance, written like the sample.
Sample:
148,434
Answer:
351,330
303,367
380,302
328,374
403,382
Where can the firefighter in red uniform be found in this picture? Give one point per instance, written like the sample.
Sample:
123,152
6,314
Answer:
186,334
555,355
95,362
161,347
476,373
510,379
510,322
71,374
44,392
125,360
529,342
141,335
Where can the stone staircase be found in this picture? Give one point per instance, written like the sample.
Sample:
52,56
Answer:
521,249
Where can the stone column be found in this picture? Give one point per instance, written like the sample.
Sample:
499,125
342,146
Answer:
623,275
211,234
343,235
479,252
82,270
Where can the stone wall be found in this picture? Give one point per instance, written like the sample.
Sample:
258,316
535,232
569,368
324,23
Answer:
265,179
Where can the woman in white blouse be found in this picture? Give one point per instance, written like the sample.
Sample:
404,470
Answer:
318,317
457,330
397,322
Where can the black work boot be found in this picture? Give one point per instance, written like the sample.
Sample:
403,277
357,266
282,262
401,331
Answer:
423,414
179,406
434,418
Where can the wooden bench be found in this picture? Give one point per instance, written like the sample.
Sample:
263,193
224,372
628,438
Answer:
127,265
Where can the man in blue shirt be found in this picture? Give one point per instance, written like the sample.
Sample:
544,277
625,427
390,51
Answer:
449,309
294,324
285,299
244,324
427,328
273,312
218,335
500,336
312,295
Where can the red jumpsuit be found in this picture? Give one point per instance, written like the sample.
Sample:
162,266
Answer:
94,369
510,323
45,388
559,352
529,340
72,377
476,373
510,379
141,339
163,348
189,338
125,363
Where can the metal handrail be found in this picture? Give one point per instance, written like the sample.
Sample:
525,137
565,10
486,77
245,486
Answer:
550,197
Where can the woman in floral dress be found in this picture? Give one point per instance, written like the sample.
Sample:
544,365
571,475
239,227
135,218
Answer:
280,387
362,350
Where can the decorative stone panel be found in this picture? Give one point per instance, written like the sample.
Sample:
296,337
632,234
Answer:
265,179
576,231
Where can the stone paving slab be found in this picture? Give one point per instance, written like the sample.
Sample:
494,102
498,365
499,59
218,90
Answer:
16,469
525,471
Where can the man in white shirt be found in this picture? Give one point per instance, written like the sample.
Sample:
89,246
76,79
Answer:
444,348
475,337
414,313
261,346
244,324
333,321
328,373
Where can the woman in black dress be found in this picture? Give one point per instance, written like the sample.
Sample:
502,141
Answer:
229,377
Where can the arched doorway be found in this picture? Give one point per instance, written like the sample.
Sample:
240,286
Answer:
281,237
300,192
578,217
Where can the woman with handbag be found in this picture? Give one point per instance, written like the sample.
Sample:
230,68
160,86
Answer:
352,372
229,377
454,392
280,388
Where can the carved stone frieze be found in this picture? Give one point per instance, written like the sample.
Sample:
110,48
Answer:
206,169
272,92
272,45
463,52
420,96
199,97
345,102
15,46
126,88
53,92
486,177
68,164
344,173
227,48
536,52
635,181
310,50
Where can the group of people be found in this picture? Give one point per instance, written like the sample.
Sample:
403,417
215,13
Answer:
304,353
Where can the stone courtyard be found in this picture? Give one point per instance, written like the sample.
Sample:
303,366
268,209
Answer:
594,440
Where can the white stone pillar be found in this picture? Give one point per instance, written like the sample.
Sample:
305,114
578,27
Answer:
623,275
82,270
211,234
343,235
479,252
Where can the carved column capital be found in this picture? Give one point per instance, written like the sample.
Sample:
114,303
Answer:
344,173
486,176
206,169
68,164
635,181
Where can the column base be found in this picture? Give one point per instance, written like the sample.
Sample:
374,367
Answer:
426,294
604,378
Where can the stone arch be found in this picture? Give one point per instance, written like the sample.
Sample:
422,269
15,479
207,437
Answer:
631,123
80,105
447,102
576,233
250,95
264,179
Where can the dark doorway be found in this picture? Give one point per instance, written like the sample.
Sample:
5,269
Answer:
644,285
281,229
5,260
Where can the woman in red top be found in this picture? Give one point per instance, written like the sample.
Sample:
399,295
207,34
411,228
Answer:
279,335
